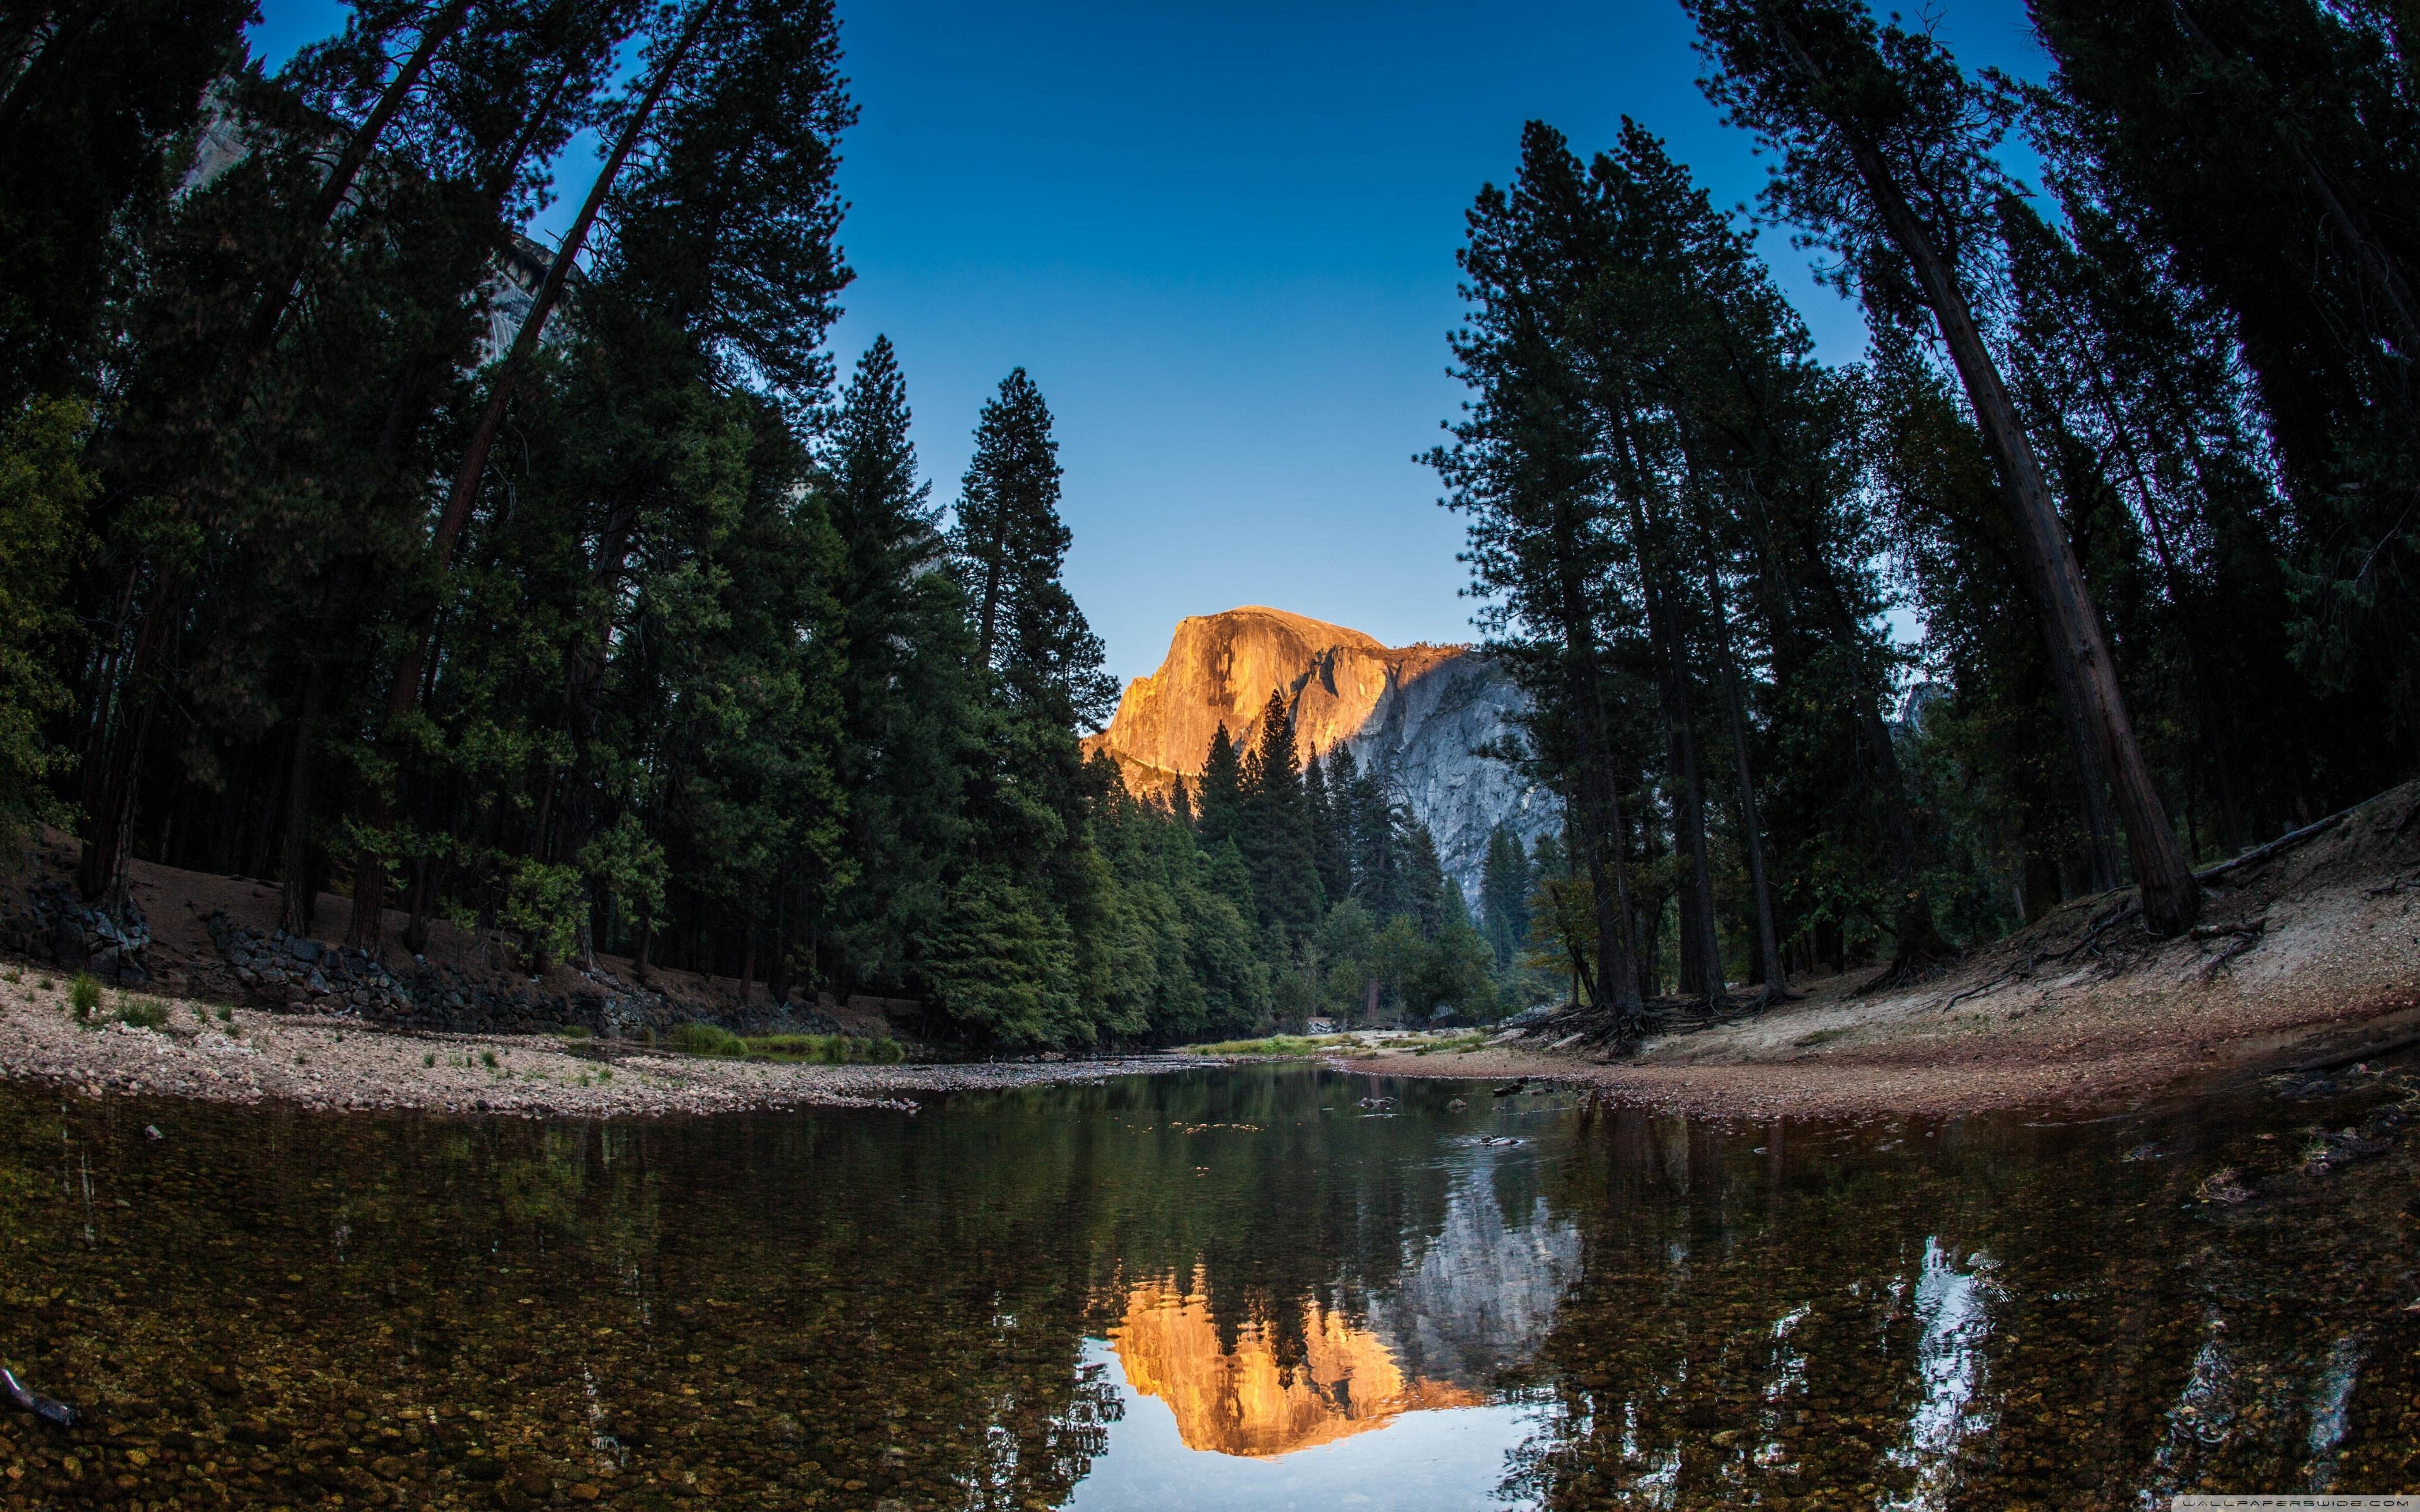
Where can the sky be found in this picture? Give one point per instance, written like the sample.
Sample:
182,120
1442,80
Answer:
1220,239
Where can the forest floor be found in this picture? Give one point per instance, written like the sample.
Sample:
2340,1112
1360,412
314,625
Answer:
2311,951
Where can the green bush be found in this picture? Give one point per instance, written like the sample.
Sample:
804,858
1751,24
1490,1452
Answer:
825,1049
83,995
1278,1044
143,1012
701,1039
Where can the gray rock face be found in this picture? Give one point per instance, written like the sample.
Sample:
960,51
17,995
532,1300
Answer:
1426,735
1420,714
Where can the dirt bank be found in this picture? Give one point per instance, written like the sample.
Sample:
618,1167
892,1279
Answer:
251,1057
2311,948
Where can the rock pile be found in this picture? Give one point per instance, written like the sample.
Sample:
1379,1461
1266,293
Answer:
51,923
295,972
290,968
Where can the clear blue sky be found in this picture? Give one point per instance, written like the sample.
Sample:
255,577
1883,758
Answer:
1221,240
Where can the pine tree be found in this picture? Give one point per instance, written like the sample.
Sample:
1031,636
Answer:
1887,155
1274,828
1008,544
904,692
1218,796
1504,896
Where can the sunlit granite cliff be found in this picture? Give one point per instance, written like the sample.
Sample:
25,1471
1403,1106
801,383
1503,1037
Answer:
1417,713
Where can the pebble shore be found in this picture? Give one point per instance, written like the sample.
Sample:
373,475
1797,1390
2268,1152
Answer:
322,1062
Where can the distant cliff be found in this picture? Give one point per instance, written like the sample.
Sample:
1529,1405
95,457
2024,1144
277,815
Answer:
1417,713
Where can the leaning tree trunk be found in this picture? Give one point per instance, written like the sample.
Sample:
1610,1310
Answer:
369,871
2070,622
279,296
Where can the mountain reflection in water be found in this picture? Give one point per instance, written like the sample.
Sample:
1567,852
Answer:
1221,1291
1241,1400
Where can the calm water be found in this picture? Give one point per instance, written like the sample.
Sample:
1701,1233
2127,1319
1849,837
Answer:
1237,1289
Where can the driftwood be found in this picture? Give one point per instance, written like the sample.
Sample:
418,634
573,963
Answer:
47,1409
2276,847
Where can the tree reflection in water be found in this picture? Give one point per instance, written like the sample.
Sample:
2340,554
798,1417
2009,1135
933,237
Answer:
869,1310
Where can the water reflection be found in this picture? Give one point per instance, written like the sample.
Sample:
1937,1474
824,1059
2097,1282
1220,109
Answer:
1241,1400
1215,1291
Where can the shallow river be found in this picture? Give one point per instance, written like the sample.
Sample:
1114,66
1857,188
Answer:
1253,1288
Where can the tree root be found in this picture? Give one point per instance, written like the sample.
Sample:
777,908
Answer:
2246,937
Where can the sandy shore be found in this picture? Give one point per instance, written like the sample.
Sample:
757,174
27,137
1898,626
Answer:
2312,953
251,1057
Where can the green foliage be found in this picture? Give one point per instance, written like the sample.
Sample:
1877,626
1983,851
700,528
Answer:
698,1038
1285,1046
143,1013
626,867
83,995
825,1049
43,491
700,677
542,904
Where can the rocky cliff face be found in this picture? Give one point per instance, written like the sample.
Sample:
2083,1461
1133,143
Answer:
1420,714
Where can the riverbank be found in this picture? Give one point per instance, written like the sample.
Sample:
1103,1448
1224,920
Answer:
2307,951
229,1055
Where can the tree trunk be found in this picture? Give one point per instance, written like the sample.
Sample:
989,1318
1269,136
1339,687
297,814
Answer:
297,892
1700,954
2070,623
403,692
1768,948
1599,829
101,869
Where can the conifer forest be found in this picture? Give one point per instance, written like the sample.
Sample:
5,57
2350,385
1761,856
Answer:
354,539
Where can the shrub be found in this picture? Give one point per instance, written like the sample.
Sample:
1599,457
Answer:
83,995
1278,1044
143,1012
544,906
487,1059
701,1039
429,1060
824,1049
227,1015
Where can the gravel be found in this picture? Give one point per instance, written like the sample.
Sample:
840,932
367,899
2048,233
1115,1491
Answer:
254,1057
